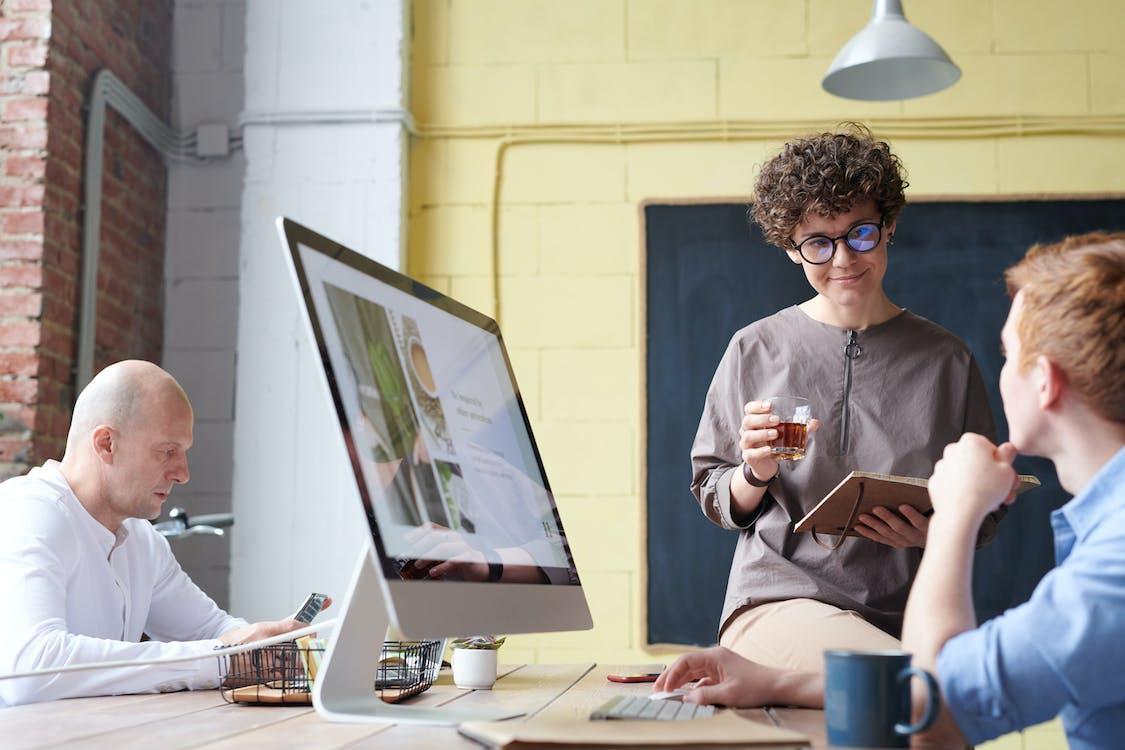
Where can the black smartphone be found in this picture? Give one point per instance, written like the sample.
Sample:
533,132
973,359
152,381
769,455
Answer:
311,608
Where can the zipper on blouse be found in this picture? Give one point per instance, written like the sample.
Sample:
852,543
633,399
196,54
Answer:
852,351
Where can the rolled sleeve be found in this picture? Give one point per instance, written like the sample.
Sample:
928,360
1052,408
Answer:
715,453
722,502
995,679
1058,650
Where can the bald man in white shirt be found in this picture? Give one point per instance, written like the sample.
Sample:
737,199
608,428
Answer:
82,571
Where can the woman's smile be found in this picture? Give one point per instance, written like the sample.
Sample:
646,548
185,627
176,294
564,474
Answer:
849,279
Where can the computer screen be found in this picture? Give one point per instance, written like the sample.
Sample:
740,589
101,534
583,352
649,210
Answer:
464,526
465,538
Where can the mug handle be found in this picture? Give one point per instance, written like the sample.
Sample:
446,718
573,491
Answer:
930,715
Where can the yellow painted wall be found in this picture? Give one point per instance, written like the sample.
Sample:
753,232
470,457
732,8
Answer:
569,255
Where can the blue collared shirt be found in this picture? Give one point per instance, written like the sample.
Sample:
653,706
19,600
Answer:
1063,652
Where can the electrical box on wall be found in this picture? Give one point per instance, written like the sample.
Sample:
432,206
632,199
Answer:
212,139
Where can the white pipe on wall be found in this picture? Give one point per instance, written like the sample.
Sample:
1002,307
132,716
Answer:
108,90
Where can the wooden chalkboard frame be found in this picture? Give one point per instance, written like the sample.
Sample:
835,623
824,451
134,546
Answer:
642,623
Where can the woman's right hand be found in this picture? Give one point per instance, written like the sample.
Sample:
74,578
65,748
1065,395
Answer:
758,429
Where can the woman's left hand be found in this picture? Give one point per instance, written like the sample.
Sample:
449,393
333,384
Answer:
905,528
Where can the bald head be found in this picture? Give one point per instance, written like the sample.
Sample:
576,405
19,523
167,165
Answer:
128,442
119,394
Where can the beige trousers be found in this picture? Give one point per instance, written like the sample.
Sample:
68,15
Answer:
794,634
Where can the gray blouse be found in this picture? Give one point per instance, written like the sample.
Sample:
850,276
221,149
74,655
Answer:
889,398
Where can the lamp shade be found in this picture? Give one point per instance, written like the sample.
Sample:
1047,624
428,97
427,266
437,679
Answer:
889,59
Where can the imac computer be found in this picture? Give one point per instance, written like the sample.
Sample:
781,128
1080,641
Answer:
465,537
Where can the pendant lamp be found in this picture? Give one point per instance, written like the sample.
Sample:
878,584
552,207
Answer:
889,59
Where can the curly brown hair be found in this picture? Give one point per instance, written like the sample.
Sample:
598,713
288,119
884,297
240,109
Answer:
827,174
1074,314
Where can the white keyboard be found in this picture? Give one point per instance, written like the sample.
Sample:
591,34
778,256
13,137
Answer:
640,707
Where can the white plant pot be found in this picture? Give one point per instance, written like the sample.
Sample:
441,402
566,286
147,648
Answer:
474,668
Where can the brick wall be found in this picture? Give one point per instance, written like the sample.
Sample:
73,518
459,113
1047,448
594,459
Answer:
50,52
24,28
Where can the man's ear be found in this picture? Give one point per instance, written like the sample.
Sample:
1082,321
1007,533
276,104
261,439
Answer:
105,443
793,255
1051,382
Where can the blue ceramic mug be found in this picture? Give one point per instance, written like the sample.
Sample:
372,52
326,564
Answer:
867,698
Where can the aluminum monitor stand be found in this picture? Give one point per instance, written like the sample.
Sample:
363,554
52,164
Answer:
344,690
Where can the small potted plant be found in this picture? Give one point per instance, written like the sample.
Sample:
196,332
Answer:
474,661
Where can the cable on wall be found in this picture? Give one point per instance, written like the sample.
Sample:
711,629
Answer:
952,128
200,145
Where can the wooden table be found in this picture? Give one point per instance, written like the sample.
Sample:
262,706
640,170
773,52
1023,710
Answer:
204,720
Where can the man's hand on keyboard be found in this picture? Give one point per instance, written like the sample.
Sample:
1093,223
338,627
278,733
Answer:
726,679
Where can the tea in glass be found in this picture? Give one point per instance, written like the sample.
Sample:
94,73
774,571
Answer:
795,414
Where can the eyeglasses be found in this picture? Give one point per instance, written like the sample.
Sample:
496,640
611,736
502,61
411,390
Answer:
862,238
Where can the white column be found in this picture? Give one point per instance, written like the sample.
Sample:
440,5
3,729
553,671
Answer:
201,270
320,78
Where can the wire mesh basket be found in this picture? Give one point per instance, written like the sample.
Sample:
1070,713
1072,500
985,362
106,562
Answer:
284,673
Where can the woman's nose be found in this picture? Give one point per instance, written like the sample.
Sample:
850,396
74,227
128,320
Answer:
844,254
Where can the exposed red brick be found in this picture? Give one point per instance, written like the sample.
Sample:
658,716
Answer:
45,446
22,249
26,54
20,417
49,55
24,135
29,108
31,167
29,275
19,363
31,28
15,6
20,390
32,195
19,333
37,82
27,304
23,222
15,450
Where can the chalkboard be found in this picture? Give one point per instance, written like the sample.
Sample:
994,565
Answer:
709,273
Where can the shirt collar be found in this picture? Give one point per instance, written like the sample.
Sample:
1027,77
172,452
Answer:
1101,497
51,473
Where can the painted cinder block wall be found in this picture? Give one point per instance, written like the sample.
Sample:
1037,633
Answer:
569,224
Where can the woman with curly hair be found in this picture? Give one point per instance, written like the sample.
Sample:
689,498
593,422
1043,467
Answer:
890,388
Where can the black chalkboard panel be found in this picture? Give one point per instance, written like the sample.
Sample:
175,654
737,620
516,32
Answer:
709,273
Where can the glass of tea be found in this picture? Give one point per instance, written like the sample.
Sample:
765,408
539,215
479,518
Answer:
794,414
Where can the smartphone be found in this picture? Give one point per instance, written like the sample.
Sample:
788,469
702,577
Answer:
647,673
311,608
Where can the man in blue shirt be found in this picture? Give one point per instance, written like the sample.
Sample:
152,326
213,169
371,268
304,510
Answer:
1063,387
1062,652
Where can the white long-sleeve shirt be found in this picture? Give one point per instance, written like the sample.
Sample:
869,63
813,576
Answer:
72,592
